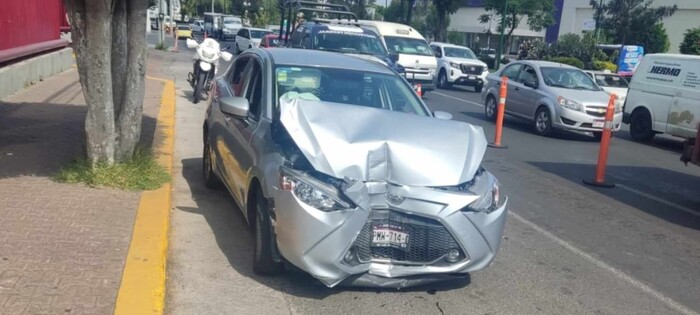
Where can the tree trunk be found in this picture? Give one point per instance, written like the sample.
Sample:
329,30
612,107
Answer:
410,11
401,14
91,25
441,28
129,119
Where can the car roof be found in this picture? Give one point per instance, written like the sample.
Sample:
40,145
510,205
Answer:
256,29
391,29
543,63
339,27
319,58
448,45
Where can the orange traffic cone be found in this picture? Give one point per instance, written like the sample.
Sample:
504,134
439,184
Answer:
419,90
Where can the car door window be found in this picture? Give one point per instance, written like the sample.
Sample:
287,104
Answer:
297,36
238,75
437,49
306,40
512,72
528,74
254,90
240,32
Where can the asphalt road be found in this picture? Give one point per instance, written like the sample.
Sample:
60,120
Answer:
567,249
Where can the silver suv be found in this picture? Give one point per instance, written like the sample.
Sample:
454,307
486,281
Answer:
343,172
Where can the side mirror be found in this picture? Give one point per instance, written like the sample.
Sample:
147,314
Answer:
394,57
442,115
226,55
191,43
531,84
236,106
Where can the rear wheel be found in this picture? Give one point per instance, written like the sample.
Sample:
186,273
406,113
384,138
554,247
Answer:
263,261
543,122
640,125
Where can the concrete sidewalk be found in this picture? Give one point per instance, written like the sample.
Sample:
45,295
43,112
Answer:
62,246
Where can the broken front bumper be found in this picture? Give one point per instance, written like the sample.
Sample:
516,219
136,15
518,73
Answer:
436,222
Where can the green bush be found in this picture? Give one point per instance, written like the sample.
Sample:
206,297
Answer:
568,61
691,42
604,65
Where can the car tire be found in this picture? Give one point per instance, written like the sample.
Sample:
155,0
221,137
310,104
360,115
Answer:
640,125
199,87
442,81
491,108
263,260
543,122
211,180
238,49
598,135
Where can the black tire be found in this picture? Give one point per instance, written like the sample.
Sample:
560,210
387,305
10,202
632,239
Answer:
640,125
263,261
543,122
238,49
199,86
442,80
491,108
211,180
478,88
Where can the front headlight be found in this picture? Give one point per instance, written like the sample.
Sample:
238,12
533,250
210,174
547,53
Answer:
488,189
570,104
454,65
312,191
431,72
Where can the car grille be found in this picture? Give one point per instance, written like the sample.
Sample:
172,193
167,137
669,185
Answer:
471,69
596,111
428,239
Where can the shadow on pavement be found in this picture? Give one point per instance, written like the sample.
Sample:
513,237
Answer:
40,138
235,239
666,194
663,142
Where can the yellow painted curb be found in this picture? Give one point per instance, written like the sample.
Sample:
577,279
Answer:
142,289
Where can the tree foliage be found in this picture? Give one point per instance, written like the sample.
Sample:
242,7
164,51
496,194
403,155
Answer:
442,8
632,22
110,48
538,14
691,42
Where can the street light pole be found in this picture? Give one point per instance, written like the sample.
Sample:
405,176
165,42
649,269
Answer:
212,6
503,28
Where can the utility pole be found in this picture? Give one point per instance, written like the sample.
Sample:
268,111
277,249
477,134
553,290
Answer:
160,22
212,6
503,29
597,21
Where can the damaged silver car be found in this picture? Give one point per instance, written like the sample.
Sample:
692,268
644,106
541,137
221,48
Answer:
342,171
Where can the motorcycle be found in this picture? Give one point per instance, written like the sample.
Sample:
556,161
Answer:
206,64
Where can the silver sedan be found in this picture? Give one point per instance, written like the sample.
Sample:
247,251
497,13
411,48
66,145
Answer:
551,95
343,172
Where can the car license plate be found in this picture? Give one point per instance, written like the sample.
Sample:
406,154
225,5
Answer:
472,77
598,124
385,235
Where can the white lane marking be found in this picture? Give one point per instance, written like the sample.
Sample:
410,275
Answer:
620,274
659,200
459,99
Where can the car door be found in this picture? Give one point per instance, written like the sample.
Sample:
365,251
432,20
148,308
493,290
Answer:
512,72
296,38
224,131
439,54
242,129
526,98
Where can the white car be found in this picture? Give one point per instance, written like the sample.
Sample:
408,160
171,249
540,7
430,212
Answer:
611,83
197,26
249,37
231,26
458,65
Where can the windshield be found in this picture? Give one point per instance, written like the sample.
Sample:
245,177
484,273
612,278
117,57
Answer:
611,80
488,51
405,45
567,78
350,87
232,21
346,42
459,52
258,34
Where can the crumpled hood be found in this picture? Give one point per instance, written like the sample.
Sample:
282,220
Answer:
380,145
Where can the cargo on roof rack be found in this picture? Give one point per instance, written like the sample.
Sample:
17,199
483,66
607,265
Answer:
319,12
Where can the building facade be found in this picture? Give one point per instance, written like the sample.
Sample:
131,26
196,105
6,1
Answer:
571,16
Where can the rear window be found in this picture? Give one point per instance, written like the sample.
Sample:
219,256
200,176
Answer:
406,45
183,28
348,42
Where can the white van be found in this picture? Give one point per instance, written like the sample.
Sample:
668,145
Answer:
664,97
414,52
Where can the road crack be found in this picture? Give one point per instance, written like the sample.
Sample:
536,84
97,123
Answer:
439,308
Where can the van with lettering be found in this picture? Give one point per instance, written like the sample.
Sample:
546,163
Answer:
664,97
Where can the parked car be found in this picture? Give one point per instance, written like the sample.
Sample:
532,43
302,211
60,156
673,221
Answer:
197,26
343,172
183,31
551,95
459,65
231,26
611,83
344,38
414,52
270,40
664,97
249,37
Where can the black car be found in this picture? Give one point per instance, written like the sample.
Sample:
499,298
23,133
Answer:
343,38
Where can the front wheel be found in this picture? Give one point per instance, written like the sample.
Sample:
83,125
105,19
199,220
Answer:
491,108
199,86
543,122
263,261
442,82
